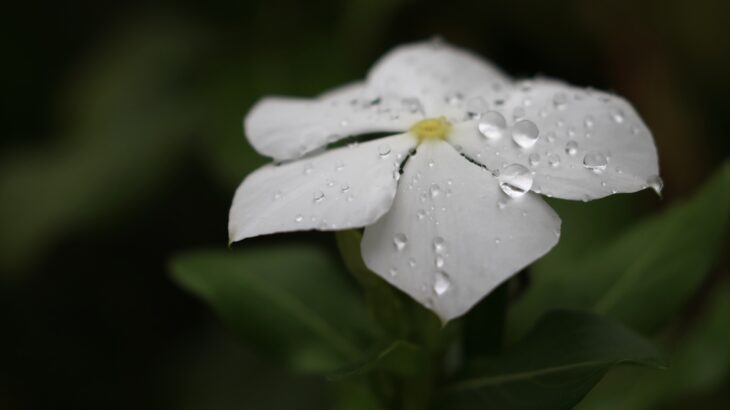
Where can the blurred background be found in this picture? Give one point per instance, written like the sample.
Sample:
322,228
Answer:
122,146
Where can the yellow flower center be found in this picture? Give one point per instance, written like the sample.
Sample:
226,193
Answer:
431,128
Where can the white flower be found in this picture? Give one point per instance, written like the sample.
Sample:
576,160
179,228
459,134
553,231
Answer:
449,202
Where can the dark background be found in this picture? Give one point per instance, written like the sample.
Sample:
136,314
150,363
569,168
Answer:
122,145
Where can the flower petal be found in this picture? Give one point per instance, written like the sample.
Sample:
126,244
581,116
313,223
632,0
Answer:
445,209
285,128
444,78
342,188
590,144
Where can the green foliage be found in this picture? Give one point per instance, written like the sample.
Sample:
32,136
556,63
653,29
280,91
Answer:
700,363
644,275
290,301
400,357
553,367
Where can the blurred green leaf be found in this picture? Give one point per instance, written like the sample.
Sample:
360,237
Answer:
700,364
399,357
381,297
645,275
290,301
553,367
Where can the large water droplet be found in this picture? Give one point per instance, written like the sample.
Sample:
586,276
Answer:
492,125
515,180
525,133
595,161
383,150
439,244
657,184
441,283
571,148
400,240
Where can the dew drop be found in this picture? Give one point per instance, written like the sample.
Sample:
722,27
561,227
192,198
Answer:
589,122
560,101
475,107
298,218
657,184
515,180
339,165
439,262
277,195
595,161
420,214
383,150
617,116
308,169
434,190
344,188
554,160
393,271
413,105
492,125
318,196
400,240
534,159
525,133
571,148
439,244
441,284
412,262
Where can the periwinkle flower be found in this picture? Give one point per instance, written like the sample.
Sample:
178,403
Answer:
450,202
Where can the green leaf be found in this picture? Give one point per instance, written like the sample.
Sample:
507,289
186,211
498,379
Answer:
382,299
399,357
700,364
644,276
289,300
553,367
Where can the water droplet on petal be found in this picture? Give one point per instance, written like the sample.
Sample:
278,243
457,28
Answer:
441,284
525,133
421,214
589,122
383,150
595,161
393,271
492,125
515,180
534,159
475,107
318,196
434,190
413,105
344,188
400,240
554,160
339,165
656,183
412,262
617,116
298,218
571,148
439,261
277,195
439,244
308,169
560,100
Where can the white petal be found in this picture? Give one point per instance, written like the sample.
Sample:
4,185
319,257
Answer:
443,77
590,144
339,189
452,235
285,128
